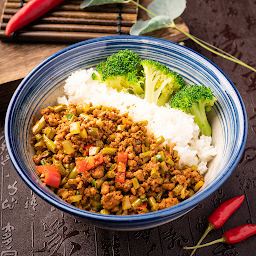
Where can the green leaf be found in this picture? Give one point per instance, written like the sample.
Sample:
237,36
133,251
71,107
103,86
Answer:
142,27
88,3
170,8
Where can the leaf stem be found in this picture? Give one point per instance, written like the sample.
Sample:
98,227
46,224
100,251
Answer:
209,228
203,44
142,7
210,45
220,240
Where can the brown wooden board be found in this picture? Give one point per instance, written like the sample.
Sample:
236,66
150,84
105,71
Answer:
19,58
68,23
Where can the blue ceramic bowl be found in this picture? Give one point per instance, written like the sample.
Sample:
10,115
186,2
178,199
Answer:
42,86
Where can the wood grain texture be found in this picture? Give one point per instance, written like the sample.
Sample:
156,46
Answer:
18,59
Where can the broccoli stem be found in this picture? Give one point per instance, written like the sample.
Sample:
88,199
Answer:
162,99
198,110
150,95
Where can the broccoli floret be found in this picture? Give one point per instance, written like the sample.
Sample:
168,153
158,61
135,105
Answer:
121,71
196,100
160,82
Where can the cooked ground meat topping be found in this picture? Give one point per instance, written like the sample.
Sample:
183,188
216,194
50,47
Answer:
102,161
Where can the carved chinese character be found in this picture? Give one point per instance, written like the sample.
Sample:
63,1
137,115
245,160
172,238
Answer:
57,232
13,188
175,239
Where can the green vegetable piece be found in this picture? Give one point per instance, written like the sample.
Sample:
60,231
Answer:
63,171
40,144
109,151
120,128
160,82
159,196
144,200
135,183
194,168
151,201
38,136
73,173
93,202
38,127
143,123
76,198
99,143
72,181
198,185
42,162
93,131
191,193
94,183
145,154
69,116
75,128
97,197
100,181
155,207
154,173
137,203
195,100
49,132
111,174
49,144
59,108
122,72
68,147
175,153
104,211
169,161
164,167
126,204
100,205
177,190
159,158
160,140
63,181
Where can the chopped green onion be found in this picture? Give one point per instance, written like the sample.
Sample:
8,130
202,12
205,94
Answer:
159,158
143,200
69,116
42,162
94,183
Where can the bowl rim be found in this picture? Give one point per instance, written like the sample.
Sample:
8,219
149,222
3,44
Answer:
189,203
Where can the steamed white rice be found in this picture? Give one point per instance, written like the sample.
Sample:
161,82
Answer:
175,125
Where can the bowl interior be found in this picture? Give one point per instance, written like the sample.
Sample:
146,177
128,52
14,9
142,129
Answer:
44,84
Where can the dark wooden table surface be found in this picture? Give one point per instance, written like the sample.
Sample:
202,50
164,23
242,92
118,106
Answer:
30,226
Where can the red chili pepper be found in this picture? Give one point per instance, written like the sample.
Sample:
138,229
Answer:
98,159
144,205
120,174
232,236
52,176
220,215
87,148
89,163
122,158
31,11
